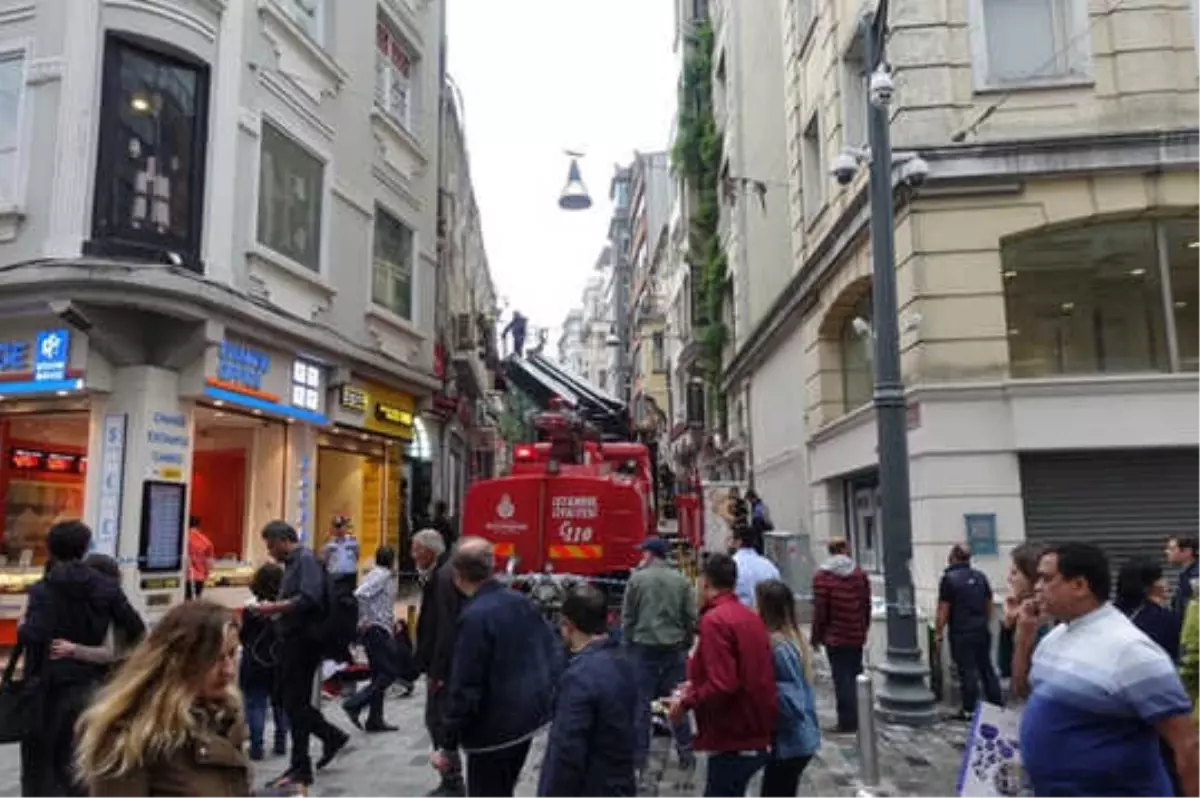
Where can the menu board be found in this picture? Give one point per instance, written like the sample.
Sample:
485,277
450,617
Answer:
51,462
163,509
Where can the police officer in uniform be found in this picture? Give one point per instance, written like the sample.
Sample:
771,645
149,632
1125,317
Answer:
965,605
340,554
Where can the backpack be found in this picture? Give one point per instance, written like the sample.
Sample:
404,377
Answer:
335,626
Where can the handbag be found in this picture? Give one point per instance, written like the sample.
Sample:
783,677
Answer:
20,702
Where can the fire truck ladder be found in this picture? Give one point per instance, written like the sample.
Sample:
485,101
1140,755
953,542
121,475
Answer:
541,380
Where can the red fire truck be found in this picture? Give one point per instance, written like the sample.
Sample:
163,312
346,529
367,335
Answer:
580,500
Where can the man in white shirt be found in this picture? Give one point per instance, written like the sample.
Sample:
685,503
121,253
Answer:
376,617
752,567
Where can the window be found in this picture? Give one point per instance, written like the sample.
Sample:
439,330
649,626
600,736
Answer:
392,279
1030,42
306,386
858,355
393,75
290,189
150,167
866,533
309,15
12,83
603,380
658,351
812,163
1093,299
854,97
804,20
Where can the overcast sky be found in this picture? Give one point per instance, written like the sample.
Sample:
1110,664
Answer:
538,77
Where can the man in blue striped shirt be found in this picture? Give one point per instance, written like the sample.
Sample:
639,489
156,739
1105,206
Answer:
1103,693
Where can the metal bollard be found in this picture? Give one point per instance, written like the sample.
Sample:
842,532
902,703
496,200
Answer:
868,739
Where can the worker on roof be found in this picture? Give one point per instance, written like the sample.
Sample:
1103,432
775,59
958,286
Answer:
517,327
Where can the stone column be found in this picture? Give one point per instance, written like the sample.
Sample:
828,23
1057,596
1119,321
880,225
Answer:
140,432
221,236
78,115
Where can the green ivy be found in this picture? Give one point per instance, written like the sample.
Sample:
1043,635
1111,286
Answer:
696,154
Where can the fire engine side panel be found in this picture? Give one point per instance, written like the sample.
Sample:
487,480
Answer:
593,524
506,512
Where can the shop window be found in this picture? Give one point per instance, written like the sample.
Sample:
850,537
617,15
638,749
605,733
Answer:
12,89
42,476
1091,299
393,75
392,278
858,355
290,192
1182,249
306,386
150,169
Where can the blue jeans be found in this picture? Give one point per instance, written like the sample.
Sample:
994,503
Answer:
659,672
729,774
256,700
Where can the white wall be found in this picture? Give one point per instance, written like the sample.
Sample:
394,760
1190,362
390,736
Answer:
778,432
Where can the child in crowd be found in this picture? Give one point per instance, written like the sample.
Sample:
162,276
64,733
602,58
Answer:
257,675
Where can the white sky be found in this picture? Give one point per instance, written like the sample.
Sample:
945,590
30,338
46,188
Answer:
538,77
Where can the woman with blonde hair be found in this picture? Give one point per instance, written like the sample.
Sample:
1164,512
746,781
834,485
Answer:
797,735
170,721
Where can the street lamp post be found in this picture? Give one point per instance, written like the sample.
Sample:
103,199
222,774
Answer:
904,696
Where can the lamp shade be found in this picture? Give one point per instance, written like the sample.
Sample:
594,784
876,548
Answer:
574,195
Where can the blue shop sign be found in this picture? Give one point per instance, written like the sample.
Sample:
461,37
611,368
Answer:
46,359
242,365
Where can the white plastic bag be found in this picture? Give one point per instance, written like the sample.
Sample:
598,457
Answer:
991,766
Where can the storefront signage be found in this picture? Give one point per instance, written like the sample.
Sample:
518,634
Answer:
49,462
112,482
353,398
50,355
43,360
169,444
393,415
14,356
304,495
242,366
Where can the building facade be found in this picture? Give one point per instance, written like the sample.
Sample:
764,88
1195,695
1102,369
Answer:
1046,271
219,238
651,189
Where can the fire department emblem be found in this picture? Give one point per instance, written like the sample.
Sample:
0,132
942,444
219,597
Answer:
505,508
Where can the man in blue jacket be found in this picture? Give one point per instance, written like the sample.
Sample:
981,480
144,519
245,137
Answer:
590,751
501,692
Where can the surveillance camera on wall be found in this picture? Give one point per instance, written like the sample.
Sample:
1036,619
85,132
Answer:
882,88
862,327
914,171
845,165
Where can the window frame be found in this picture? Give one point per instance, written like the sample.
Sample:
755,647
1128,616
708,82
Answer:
407,121
265,119
109,238
854,55
1076,48
311,385
414,257
813,177
11,50
320,18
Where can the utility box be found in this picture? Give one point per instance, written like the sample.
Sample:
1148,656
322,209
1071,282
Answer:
792,554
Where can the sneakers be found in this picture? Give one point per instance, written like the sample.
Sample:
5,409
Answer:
451,787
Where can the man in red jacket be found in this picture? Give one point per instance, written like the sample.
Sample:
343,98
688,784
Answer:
841,617
731,683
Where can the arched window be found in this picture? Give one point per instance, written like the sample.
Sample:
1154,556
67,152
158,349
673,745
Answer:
857,354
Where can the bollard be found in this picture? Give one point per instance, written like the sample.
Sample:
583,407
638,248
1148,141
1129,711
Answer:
868,739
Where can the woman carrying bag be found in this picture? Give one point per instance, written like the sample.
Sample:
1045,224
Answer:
170,722
797,735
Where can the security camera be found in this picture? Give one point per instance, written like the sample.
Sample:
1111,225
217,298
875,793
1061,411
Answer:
844,167
861,327
914,171
882,88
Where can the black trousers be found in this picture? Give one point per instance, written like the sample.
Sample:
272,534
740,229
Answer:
781,778
381,655
846,664
48,757
298,668
972,655
435,712
193,589
496,773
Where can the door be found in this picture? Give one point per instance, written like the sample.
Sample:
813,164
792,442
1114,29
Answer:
219,499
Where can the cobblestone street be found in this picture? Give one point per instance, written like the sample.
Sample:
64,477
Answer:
923,762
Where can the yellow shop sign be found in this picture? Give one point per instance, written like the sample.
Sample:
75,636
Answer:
389,412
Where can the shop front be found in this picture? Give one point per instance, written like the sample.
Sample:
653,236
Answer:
360,466
258,417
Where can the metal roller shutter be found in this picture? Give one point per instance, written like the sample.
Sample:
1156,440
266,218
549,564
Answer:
1127,502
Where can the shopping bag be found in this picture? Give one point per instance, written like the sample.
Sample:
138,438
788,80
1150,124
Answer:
20,702
991,766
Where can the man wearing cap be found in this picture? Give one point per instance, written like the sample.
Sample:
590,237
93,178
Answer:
658,621
340,554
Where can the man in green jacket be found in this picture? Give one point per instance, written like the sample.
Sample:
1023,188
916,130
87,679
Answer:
658,622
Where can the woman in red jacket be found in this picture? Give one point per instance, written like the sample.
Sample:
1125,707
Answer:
731,684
